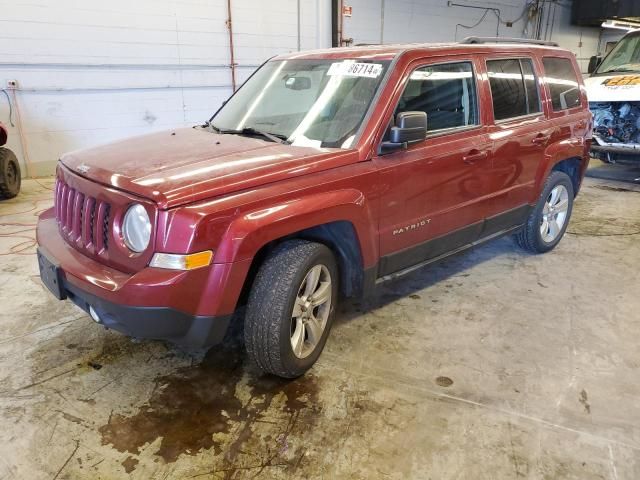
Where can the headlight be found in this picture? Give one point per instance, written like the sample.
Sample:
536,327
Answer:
136,228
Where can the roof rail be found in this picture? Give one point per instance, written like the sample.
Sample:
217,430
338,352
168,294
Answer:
527,41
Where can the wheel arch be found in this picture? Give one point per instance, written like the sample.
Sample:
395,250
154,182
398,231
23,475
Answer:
340,237
572,167
341,220
569,156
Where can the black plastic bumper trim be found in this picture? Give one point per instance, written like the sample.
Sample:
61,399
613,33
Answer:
157,323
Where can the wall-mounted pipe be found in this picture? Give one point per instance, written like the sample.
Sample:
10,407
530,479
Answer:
381,22
123,66
299,33
496,12
539,20
335,23
553,21
124,88
340,21
23,140
231,50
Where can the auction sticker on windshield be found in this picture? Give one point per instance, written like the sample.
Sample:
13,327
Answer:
355,69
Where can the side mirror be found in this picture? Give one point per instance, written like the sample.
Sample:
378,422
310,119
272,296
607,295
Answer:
411,127
593,63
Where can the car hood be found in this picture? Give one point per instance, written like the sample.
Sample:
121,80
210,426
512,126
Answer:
190,164
613,88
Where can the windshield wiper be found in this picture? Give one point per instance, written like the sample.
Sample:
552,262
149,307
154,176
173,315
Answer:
274,137
250,131
212,127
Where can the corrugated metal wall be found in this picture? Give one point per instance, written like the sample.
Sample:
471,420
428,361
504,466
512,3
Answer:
90,72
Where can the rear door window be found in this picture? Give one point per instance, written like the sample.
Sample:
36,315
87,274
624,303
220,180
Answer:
563,83
514,88
530,85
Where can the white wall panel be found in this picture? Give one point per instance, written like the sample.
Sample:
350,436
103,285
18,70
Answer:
429,20
365,24
91,72
438,21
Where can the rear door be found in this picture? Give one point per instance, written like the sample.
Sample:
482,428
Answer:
520,131
435,192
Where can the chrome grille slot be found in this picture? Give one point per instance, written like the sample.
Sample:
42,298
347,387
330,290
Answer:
68,216
83,221
92,222
78,200
87,220
105,226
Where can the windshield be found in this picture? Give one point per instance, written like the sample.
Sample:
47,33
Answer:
625,56
320,103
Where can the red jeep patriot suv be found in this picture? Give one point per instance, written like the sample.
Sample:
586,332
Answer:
326,173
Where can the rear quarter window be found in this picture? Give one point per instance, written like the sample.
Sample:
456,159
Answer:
563,83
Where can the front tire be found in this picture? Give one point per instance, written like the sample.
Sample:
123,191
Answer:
291,308
549,219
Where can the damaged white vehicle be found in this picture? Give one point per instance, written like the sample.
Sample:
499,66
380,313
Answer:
614,99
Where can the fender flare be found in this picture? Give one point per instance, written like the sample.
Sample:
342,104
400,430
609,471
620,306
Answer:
252,230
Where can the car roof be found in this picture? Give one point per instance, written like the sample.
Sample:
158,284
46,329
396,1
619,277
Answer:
390,51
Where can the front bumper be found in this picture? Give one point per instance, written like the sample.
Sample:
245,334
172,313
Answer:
192,309
635,151
615,154
158,323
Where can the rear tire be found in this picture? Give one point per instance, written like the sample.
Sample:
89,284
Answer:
291,308
10,178
549,219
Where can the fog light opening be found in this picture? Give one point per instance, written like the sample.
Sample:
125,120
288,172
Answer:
94,314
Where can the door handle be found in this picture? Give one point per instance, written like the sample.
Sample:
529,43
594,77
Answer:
540,139
474,156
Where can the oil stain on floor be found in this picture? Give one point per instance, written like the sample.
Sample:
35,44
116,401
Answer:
213,406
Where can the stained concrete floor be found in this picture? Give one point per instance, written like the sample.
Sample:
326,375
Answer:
494,364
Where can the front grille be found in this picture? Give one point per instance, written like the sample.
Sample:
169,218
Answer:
105,227
82,220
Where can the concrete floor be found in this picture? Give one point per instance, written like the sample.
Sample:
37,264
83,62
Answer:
624,172
495,364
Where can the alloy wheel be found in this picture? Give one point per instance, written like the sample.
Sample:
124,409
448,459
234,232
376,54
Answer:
311,311
554,213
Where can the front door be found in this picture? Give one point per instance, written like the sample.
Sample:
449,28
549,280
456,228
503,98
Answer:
436,192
